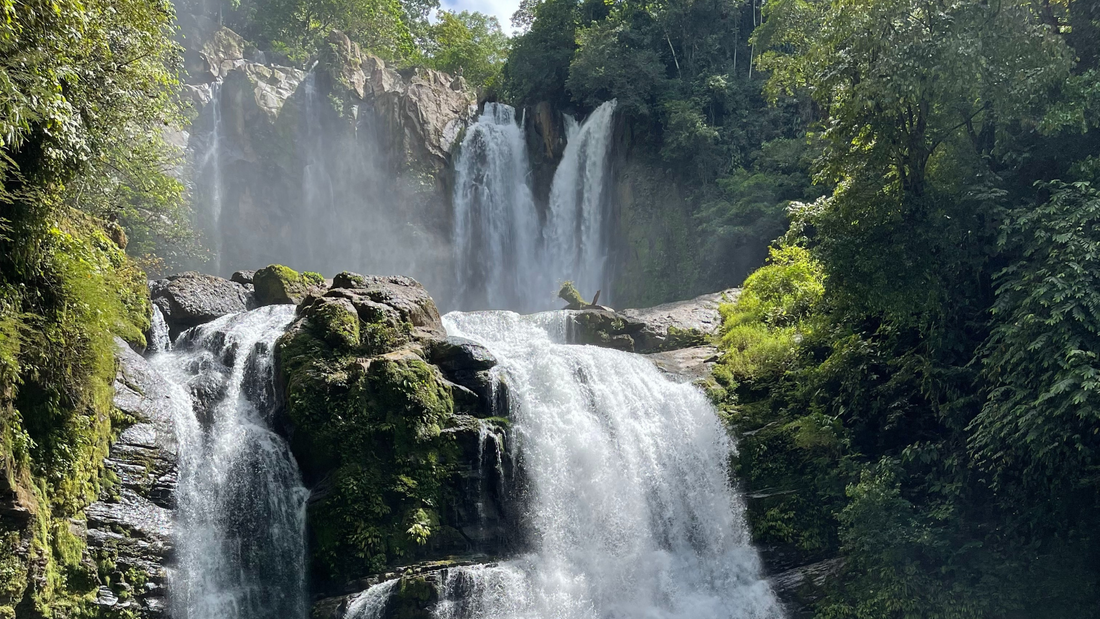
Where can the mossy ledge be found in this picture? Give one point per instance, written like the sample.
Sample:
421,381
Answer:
375,428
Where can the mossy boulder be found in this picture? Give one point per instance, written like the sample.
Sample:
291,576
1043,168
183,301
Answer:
368,414
280,285
572,296
402,298
336,321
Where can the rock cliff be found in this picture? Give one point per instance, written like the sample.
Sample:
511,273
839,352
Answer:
342,163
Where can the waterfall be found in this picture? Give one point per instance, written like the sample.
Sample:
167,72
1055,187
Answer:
209,162
318,215
240,543
159,338
371,604
495,222
630,511
504,258
576,243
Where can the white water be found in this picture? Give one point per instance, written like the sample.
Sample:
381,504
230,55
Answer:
496,229
240,546
371,604
631,512
576,243
504,257
159,338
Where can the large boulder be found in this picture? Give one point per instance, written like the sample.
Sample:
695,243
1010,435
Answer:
190,299
379,413
280,285
680,324
401,296
667,327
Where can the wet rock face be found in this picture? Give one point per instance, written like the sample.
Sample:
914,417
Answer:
131,522
191,299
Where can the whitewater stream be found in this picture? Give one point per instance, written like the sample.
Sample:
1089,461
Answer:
240,501
630,513
507,255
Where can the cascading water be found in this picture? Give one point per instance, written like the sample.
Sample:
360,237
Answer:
496,230
630,509
504,258
371,604
240,502
159,338
575,237
318,221
209,163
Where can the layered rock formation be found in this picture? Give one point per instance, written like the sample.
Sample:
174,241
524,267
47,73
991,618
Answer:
129,529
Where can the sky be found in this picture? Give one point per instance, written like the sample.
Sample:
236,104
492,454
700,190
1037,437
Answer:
501,9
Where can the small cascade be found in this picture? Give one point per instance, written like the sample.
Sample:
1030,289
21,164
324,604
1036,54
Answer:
371,604
575,237
496,230
159,338
629,510
240,543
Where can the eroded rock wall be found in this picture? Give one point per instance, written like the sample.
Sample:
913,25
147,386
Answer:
342,163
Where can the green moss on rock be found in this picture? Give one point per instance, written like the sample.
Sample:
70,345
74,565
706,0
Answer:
368,413
336,321
57,366
279,285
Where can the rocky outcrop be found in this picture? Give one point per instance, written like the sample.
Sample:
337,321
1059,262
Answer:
192,298
421,116
662,328
129,529
800,587
679,324
693,364
392,424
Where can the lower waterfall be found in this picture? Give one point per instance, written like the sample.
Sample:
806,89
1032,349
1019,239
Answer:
630,512
240,541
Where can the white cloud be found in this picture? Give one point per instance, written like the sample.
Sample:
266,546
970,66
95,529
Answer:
501,9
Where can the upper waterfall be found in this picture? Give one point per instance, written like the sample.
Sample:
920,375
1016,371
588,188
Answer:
507,256
241,504
576,236
630,509
496,230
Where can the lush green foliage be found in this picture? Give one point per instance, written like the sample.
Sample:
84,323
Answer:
406,33
468,44
85,89
298,28
933,420
693,109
